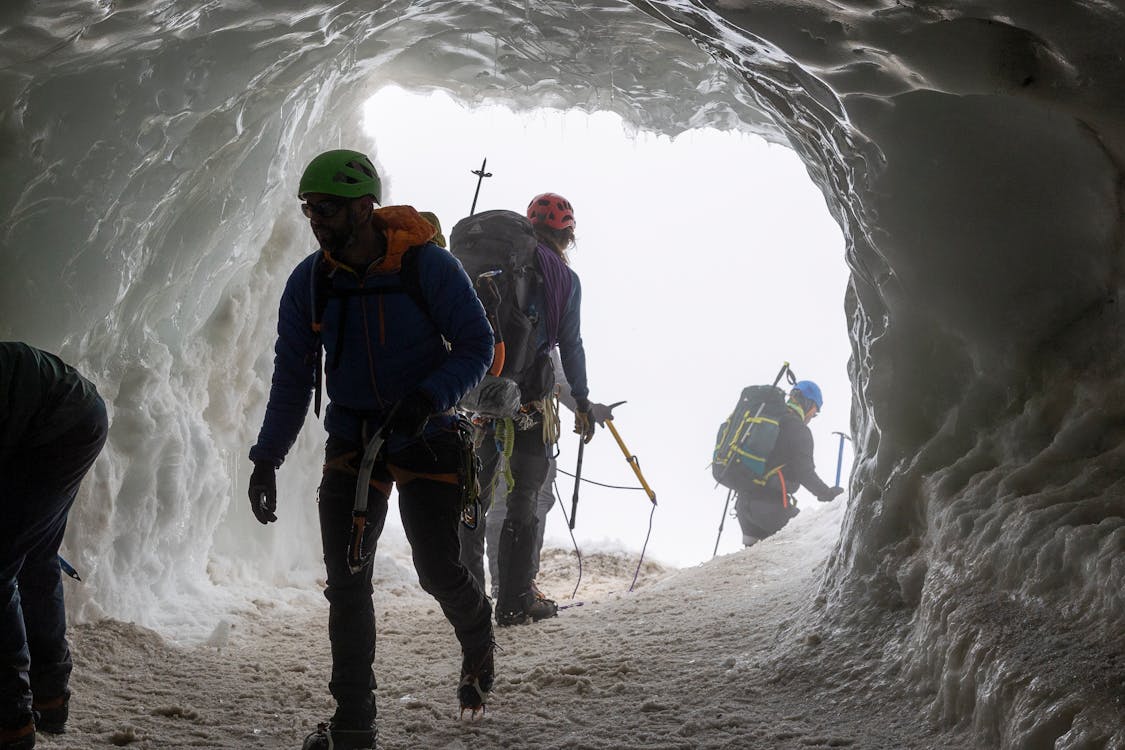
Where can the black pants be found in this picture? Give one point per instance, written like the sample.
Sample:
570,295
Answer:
37,489
430,511
472,540
494,507
761,513
519,536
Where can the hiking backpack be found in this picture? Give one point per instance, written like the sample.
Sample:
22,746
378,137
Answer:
499,248
746,439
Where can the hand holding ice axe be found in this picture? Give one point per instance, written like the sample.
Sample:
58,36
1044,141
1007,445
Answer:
599,413
603,415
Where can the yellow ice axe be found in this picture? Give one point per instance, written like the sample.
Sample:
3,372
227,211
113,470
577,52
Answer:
631,459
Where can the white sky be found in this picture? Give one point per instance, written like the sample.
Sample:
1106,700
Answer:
706,261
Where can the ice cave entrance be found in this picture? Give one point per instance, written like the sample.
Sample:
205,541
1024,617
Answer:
707,259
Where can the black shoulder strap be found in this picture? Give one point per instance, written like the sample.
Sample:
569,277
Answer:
320,289
411,280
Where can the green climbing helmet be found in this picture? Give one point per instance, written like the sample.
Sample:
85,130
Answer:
348,174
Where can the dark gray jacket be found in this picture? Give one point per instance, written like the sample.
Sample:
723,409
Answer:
794,453
41,397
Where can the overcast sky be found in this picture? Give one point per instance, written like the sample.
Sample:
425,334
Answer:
706,261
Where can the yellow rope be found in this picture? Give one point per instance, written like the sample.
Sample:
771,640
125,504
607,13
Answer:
552,428
506,436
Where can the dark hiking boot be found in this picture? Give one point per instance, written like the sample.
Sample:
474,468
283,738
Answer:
327,737
52,713
478,673
538,607
512,614
514,554
18,738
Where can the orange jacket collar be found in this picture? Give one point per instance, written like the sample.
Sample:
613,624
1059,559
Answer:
404,228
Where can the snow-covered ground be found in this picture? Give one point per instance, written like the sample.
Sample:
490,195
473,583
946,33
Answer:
721,655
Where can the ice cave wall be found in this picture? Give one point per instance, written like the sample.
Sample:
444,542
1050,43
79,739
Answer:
971,151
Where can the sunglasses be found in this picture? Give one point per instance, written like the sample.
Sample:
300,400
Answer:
325,209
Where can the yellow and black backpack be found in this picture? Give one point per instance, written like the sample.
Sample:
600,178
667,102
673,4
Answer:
746,439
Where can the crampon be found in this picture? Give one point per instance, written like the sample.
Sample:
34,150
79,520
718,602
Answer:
477,676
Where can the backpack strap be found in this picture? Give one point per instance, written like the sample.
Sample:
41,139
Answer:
322,290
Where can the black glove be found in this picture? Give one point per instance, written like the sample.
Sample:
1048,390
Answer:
263,492
583,421
831,495
410,416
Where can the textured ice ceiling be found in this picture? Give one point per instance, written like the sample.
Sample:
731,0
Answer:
971,150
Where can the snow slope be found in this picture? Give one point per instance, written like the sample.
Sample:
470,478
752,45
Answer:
723,655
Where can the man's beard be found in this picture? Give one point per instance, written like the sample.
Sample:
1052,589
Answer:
332,242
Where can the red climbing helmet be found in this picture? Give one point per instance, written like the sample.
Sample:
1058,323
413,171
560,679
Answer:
552,210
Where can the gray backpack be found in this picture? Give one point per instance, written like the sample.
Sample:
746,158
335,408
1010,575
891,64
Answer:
497,249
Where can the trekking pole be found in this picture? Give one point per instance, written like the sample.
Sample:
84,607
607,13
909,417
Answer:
840,455
481,174
787,373
577,482
722,521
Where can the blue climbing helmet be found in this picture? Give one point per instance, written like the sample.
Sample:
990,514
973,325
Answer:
810,391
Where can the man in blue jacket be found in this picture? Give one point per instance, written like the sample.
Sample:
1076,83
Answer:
404,338
52,426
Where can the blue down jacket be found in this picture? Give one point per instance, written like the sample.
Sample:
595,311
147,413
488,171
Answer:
388,347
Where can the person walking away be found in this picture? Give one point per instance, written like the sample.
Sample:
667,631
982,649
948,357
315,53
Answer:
764,509
53,425
496,503
556,308
404,338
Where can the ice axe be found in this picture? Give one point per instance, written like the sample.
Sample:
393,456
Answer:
632,460
356,554
635,463
840,455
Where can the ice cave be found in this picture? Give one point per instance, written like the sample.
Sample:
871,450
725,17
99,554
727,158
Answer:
971,151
